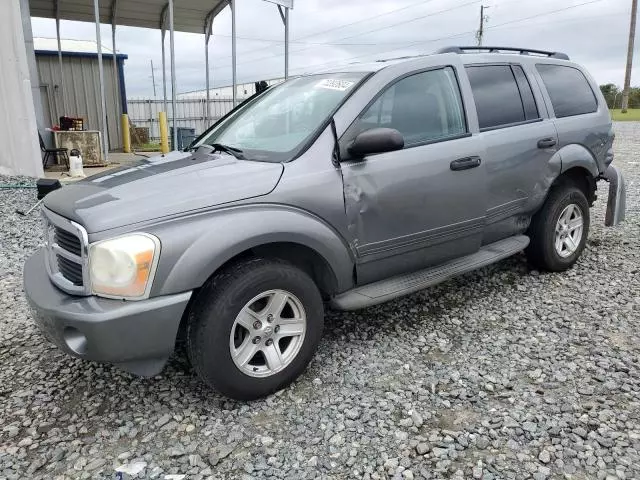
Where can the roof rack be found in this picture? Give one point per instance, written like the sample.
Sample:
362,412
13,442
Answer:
521,51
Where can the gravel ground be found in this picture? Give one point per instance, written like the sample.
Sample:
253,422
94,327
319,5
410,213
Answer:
503,373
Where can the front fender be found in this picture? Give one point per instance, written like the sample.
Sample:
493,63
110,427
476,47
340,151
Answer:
196,246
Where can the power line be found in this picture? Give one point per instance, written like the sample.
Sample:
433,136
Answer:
580,19
320,44
511,22
432,14
545,13
398,42
390,12
490,27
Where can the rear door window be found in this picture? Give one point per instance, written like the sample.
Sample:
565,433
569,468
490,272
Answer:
568,89
500,99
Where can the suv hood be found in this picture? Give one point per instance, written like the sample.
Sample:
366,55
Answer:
161,186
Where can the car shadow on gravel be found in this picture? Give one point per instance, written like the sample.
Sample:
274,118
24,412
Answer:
421,310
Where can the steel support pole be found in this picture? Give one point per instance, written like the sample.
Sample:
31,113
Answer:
164,75
286,43
206,66
116,86
103,106
173,76
232,4
63,105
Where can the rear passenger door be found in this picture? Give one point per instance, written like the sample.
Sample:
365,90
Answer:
520,141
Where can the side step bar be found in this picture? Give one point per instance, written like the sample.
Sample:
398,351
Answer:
385,290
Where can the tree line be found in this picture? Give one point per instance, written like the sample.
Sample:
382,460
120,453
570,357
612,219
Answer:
613,95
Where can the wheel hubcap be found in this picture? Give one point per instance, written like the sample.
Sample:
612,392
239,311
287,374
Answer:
268,333
569,229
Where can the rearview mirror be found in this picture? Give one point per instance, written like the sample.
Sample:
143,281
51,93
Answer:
376,140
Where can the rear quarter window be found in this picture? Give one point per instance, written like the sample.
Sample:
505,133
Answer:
568,89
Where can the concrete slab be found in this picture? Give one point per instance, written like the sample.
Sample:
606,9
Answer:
115,160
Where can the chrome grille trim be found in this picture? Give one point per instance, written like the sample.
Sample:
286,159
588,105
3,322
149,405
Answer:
53,250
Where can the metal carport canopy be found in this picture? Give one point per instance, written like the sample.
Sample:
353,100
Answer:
192,16
189,15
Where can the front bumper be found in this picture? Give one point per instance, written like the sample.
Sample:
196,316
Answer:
617,201
137,336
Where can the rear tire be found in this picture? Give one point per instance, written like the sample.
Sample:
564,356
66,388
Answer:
559,231
237,333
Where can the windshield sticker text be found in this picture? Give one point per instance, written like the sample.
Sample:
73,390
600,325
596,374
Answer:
334,84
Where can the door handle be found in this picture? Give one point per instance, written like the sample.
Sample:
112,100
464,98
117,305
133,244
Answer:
465,163
547,143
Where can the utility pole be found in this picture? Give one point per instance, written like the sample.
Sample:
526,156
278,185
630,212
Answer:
153,79
627,75
483,19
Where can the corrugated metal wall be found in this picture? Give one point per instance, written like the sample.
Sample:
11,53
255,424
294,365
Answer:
143,112
82,92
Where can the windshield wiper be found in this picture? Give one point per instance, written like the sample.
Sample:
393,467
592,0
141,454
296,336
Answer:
236,152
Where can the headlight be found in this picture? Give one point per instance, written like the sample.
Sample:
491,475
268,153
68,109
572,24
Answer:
124,267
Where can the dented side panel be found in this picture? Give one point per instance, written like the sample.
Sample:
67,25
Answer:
409,202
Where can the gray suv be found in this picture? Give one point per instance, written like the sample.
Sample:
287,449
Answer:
346,188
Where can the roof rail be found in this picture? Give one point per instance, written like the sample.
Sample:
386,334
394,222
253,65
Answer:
405,57
521,51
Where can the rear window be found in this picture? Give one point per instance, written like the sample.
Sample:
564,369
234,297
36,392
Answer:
569,90
498,97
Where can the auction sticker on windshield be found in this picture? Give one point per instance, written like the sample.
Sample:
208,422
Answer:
335,84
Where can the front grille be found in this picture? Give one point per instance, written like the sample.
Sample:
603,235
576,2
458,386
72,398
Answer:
66,253
68,241
70,270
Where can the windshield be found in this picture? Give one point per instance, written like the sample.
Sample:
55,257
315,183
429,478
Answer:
275,125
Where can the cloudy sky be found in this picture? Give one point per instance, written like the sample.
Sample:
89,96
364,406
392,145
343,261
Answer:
326,33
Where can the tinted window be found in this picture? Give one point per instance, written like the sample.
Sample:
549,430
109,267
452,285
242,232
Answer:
528,101
496,95
423,107
569,90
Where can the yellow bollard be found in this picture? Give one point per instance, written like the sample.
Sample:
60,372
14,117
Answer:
164,136
126,134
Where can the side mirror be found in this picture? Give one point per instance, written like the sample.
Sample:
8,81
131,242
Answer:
376,140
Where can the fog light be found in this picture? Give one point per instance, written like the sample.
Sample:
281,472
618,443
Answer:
75,340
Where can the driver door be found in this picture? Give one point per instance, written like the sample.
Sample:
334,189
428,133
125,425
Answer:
424,204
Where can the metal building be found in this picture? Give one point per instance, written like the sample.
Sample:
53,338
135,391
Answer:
79,62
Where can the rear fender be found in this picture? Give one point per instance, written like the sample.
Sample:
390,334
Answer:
562,161
576,155
194,247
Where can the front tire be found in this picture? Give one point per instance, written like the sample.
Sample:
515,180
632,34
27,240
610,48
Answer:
254,327
559,230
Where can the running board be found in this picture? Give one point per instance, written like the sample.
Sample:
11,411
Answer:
385,290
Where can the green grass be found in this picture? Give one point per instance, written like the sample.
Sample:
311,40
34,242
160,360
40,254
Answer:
632,115
147,147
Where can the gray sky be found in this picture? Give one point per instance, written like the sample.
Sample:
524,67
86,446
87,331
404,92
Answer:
326,33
